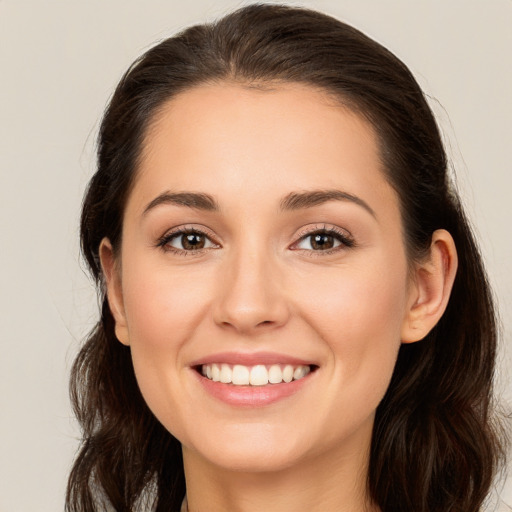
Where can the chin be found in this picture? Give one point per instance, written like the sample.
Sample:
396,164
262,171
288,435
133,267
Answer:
261,452
255,461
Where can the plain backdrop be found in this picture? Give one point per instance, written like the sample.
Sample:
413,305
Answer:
59,63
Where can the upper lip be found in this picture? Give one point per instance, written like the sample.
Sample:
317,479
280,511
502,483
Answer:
250,359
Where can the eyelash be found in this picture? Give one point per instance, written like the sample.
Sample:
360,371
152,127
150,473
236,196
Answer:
164,241
346,241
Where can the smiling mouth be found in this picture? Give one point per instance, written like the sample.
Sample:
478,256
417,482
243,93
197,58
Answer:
257,375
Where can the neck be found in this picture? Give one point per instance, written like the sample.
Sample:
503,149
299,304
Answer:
330,482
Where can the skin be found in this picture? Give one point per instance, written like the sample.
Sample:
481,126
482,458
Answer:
259,285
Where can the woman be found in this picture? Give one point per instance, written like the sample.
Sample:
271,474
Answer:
295,313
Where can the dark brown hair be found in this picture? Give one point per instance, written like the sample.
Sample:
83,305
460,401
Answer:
434,447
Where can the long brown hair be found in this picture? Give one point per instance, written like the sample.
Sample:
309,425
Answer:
434,447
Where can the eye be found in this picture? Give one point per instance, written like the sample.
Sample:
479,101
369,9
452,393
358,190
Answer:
318,242
186,240
325,239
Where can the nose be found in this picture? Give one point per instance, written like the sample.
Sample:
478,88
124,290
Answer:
251,297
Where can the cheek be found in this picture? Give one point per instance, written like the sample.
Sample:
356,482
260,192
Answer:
359,315
367,304
162,305
163,309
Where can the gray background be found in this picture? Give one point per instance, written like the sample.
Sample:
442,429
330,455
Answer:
59,62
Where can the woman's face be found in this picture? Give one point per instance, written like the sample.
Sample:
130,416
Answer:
261,239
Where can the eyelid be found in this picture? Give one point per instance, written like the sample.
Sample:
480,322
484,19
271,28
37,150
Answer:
323,227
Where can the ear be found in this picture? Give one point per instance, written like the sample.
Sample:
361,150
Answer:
112,274
431,287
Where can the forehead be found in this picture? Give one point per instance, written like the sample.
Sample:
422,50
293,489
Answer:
229,140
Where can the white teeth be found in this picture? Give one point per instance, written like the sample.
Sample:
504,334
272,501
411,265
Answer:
275,375
300,372
258,375
225,374
288,373
240,375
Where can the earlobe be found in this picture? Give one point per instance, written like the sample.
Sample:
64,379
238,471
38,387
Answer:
112,274
430,292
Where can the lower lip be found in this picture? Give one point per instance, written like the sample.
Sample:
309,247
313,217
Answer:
252,396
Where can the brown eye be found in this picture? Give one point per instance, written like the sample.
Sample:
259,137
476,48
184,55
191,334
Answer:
189,241
324,240
192,241
321,241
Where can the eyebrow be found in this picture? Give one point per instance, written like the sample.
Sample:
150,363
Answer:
196,200
291,202
308,199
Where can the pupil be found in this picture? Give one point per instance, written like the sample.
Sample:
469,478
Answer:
322,242
193,241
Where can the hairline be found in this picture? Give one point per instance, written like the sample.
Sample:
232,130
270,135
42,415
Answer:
332,97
